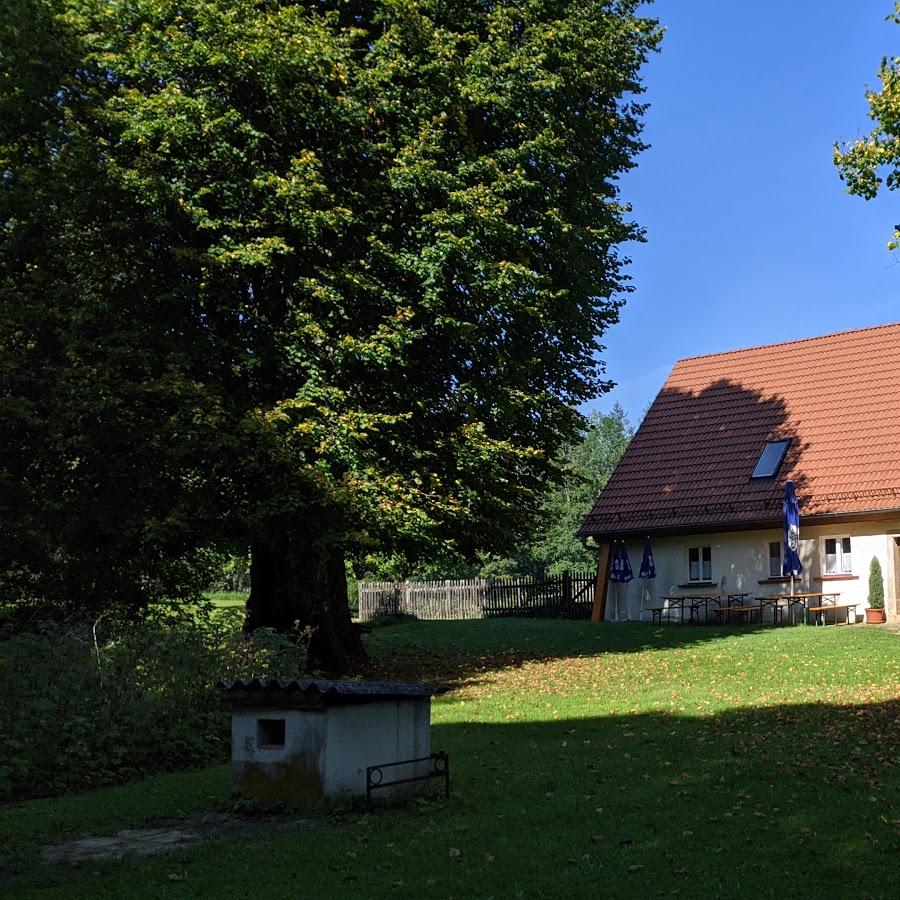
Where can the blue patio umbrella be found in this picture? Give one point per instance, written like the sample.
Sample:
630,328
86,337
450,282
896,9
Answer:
791,509
620,567
648,569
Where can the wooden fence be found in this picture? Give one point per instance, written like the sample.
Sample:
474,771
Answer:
569,595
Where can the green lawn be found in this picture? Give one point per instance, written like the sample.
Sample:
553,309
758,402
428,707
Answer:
586,761
226,599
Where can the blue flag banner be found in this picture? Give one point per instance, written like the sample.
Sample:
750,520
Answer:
791,509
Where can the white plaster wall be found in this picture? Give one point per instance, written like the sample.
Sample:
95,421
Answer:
337,745
304,735
361,736
740,561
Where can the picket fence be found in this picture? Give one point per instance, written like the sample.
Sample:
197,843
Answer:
568,595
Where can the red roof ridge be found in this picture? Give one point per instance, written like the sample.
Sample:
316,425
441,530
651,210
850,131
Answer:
818,337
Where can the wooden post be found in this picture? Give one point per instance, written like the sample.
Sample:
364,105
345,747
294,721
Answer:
601,585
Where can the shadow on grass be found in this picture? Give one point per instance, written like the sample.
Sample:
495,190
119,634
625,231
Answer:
798,801
786,800
455,652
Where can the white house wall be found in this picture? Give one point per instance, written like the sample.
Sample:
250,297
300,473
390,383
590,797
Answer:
375,733
740,562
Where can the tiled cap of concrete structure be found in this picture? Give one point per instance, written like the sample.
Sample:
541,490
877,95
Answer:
299,692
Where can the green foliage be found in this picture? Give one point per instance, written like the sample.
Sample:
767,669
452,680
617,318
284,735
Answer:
232,573
551,546
337,269
873,160
75,714
586,466
876,585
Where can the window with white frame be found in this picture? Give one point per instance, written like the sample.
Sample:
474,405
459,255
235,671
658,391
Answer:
838,556
699,563
774,559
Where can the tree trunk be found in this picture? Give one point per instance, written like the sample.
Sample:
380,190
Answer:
294,585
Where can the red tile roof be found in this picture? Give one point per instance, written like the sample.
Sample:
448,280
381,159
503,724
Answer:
837,397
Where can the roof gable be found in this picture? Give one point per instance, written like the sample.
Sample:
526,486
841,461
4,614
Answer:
836,397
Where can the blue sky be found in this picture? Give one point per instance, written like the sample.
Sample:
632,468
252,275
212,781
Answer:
751,236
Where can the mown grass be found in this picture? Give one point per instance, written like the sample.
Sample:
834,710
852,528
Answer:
226,599
586,760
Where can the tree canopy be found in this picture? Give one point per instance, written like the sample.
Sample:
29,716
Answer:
586,467
873,160
317,276
551,545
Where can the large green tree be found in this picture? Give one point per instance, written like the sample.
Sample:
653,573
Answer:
318,276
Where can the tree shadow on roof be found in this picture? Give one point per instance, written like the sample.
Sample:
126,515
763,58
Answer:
690,463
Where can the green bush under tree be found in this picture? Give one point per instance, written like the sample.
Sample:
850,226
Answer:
98,702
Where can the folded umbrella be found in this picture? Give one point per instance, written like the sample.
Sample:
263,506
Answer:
648,569
620,567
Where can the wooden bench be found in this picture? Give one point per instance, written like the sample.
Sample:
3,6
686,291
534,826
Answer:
819,612
657,613
724,612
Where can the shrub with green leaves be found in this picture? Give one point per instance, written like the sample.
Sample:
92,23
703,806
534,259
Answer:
89,703
876,585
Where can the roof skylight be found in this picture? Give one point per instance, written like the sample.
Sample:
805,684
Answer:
770,459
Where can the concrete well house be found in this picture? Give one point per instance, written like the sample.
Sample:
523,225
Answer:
704,476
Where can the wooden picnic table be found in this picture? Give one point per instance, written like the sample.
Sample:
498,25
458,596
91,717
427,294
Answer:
694,603
670,602
704,600
804,599
743,611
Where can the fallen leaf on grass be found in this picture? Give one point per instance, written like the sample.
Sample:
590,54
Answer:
453,853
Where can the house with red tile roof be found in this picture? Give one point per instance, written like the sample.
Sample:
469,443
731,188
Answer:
704,475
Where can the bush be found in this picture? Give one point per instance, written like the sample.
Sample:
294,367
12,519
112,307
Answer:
876,585
90,703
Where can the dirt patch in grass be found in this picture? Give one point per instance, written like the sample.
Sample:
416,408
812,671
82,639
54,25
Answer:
167,837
